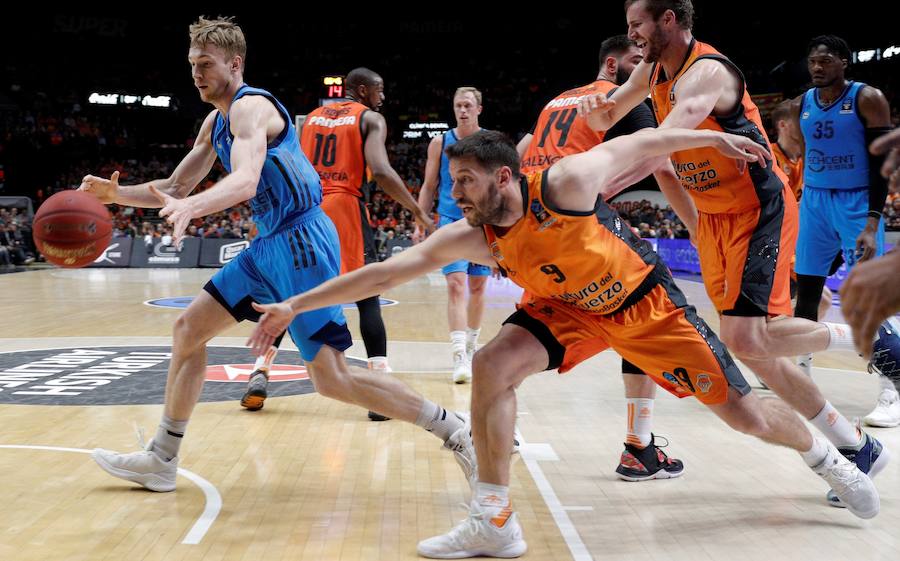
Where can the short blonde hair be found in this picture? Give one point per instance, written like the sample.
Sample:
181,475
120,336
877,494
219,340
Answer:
468,89
221,32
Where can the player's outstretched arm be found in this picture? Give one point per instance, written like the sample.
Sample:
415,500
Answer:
583,177
193,168
451,243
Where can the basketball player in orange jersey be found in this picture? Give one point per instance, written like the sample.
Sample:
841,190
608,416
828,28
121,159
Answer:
788,152
592,285
747,213
558,133
460,313
341,140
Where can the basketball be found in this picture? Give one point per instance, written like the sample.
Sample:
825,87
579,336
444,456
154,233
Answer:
72,228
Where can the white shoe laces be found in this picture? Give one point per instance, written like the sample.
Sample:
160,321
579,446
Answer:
846,479
467,528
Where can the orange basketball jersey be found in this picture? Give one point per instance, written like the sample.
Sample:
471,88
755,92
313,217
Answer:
332,140
589,261
559,132
793,169
713,180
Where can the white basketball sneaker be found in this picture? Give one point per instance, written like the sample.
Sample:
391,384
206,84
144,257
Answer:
462,368
460,443
853,487
144,468
887,411
482,533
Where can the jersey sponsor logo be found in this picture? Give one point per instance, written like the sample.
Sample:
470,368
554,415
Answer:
697,176
601,295
847,106
818,161
320,121
564,102
805,115
134,375
541,215
333,175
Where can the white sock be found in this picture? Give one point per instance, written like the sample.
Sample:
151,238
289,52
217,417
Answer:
437,420
264,362
458,341
817,453
835,427
640,421
841,337
379,363
472,337
168,438
491,496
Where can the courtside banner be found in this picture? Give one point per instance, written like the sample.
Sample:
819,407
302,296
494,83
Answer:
157,254
678,254
215,252
117,254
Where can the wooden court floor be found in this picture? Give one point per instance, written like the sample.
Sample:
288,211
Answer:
309,478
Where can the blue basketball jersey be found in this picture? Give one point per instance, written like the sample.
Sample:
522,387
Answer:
836,156
446,203
288,185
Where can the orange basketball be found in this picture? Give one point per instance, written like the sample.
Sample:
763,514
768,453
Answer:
72,228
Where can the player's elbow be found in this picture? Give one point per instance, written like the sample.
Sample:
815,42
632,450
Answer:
380,173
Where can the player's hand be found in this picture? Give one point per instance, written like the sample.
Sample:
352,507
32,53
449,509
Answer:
418,235
275,319
596,109
496,274
866,244
889,144
870,295
742,149
177,212
104,189
425,222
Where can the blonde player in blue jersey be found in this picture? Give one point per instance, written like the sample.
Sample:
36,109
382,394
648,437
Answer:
464,317
252,134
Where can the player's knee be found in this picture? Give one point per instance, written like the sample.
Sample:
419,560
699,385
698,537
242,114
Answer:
456,288
745,344
476,288
490,369
332,385
752,423
186,333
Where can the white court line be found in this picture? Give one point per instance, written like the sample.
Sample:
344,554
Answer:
207,517
557,510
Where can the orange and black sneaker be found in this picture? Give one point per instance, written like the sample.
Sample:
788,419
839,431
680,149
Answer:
642,464
255,396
